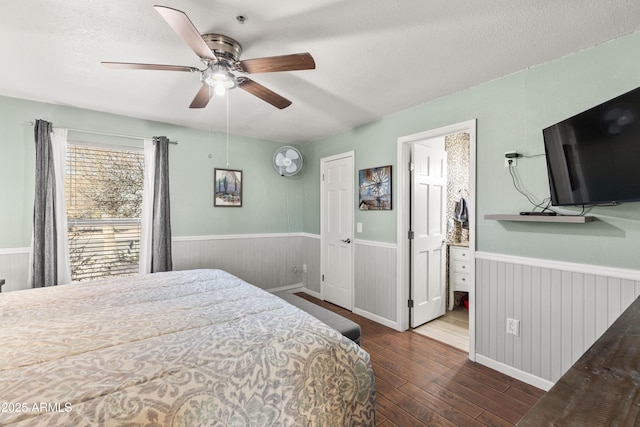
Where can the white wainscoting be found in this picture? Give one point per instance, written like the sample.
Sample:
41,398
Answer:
562,308
14,268
311,257
269,261
375,294
266,260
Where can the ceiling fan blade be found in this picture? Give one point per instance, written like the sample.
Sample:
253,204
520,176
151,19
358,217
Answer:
183,26
202,97
135,66
297,61
263,93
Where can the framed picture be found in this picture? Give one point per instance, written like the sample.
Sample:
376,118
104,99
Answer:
227,188
375,189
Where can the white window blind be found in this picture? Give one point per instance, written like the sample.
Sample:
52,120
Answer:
104,189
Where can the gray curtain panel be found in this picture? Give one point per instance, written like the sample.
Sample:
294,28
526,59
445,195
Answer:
161,235
44,268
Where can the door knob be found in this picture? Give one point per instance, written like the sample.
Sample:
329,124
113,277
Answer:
347,240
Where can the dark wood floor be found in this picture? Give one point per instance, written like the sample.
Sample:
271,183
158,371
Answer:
422,382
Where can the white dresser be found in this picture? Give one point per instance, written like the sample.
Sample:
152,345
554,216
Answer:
459,271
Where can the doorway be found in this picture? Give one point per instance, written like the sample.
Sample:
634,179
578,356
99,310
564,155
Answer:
456,236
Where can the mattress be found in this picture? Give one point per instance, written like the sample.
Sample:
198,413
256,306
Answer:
185,348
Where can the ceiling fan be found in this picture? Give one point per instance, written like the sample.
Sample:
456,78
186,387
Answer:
221,55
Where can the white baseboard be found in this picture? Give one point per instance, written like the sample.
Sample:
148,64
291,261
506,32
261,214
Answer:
295,287
359,312
515,373
386,322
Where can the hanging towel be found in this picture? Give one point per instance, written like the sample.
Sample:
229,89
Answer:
461,213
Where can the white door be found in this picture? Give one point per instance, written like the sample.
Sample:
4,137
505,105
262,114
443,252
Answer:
428,226
337,206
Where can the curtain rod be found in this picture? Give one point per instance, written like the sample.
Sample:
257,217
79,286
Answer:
117,135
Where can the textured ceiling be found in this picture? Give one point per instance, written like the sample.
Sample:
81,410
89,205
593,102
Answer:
373,57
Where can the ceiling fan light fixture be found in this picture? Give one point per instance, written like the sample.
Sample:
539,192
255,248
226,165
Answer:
219,89
219,79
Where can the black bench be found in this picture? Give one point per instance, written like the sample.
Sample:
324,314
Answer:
346,327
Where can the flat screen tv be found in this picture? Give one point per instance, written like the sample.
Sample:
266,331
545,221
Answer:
594,157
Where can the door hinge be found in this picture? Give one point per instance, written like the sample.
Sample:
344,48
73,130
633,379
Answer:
323,177
412,166
323,277
410,303
411,235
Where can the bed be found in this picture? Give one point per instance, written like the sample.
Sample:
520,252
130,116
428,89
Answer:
184,348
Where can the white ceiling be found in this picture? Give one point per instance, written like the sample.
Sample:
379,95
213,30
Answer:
374,57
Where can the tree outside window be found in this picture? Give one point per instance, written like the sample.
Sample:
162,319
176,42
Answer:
104,190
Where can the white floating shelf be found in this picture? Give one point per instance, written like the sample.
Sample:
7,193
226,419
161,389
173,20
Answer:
575,219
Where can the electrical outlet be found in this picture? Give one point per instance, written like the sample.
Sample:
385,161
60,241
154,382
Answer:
513,159
304,268
513,327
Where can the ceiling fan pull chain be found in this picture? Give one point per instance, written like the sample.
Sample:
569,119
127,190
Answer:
227,96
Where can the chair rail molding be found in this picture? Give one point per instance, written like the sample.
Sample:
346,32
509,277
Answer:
573,267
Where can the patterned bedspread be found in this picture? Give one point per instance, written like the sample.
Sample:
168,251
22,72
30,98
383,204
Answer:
185,348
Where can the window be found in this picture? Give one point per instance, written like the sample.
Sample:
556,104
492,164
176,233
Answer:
104,189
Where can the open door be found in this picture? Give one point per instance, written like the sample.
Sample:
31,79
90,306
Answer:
428,230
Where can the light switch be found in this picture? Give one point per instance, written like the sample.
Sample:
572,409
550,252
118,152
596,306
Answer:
359,227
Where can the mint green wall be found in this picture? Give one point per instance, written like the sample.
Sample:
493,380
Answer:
372,149
511,113
191,173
